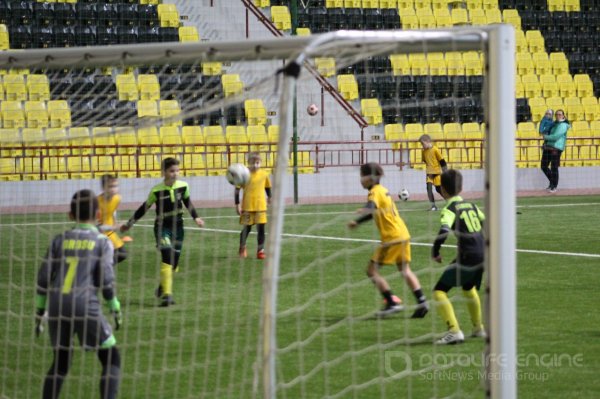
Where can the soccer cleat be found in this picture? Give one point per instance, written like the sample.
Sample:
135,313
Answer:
167,300
260,254
390,308
552,190
479,333
158,291
243,253
451,338
421,310
433,208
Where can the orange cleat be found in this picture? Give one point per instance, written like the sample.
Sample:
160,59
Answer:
260,254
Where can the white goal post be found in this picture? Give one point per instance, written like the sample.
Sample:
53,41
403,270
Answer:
497,43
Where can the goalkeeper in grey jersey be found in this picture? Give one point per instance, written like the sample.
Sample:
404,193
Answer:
78,264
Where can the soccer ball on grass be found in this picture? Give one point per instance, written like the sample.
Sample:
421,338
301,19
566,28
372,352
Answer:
238,174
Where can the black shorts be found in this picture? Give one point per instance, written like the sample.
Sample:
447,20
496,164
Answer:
92,330
465,276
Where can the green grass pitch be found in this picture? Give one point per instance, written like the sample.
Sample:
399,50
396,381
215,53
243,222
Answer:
329,344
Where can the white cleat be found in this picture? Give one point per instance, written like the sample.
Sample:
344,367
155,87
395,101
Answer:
390,309
451,338
479,333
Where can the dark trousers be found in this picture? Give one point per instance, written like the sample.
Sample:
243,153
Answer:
551,156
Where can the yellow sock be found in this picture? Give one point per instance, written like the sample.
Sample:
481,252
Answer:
445,309
166,278
474,306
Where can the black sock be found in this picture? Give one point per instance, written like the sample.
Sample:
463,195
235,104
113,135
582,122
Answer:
387,295
419,295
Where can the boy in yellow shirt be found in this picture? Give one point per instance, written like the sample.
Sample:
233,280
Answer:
108,202
435,164
253,208
395,241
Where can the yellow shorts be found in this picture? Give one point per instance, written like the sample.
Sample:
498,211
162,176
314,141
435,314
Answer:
392,254
436,180
251,218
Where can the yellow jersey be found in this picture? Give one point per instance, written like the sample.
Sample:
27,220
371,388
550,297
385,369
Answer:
108,211
387,219
432,157
254,199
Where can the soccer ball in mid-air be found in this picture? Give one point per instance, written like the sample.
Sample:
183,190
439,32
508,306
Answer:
312,109
238,174
404,195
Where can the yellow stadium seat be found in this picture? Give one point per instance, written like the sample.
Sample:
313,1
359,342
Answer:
590,108
36,114
34,141
347,86
334,3
352,4
148,87
55,168
427,22
14,87
169,109
584,85
493,16
388,4
302,32
371,111
258,138
325,66
59,113
80,141
459,16
31,168
188,34
559,66
38,87
418,64
104,141
521,42
4,40
193,139
102,164
477,17
172,139
434,130
79,167
400,64
232,84
472,133
168,15
126,141
535,40
489,4
455,64
12,145
280,16
581,129
453,135
412,132
8,169
511,17
423,8
149,140
555,103
370,4
524,64
439,4
273,133
394,132
532,156
262,3
193,165
214,139
216,164
566,86
410,22
149,165
458,158
527,132
58,141
556,5
532,86
437,67
538,108
236,138
127,88
125,165
573,109
519,88
572,5
147,108
214,68
13,115
550,89
256,113
542,63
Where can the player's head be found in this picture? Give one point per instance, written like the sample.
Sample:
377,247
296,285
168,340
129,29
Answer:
170,169
110,184
549,113
451,183
84,206
425,141
254,161
370,174
560,115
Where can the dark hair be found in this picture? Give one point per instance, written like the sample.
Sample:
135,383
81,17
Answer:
84,205
168,162
452,182
105,179
253,156
372,169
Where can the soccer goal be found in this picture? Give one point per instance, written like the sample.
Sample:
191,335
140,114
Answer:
300,323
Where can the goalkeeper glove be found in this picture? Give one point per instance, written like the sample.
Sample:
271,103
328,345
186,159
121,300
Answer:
115,308
40,315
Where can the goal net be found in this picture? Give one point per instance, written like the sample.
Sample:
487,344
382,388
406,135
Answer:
303,322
